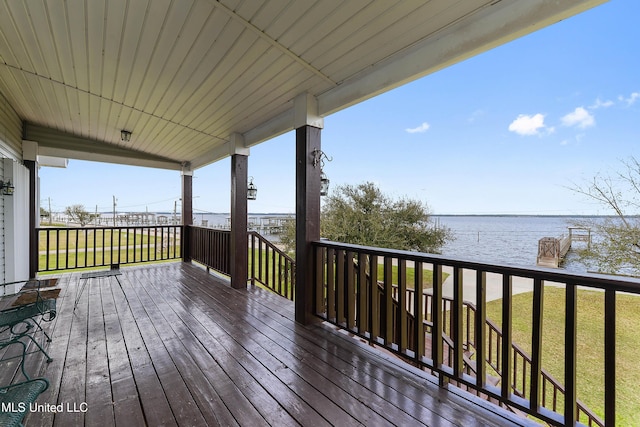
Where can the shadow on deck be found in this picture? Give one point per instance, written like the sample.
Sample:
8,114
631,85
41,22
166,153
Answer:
173,345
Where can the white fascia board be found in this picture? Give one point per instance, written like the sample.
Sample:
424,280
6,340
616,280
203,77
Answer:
218,153
490,27
53,162
282,123
108,158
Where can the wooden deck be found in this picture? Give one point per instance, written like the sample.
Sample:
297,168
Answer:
173,345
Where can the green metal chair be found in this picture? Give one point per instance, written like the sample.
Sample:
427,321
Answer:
23,321
16,400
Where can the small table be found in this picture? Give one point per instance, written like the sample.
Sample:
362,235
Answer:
115,272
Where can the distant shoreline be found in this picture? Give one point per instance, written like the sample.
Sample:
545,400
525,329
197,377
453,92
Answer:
433,214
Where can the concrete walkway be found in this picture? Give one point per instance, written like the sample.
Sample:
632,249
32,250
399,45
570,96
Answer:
494,285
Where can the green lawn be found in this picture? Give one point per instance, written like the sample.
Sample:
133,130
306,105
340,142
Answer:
590,366
427,276
88,238
102,258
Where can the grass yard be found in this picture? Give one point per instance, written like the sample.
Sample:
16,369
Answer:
590,342
427,276
99,257
88,238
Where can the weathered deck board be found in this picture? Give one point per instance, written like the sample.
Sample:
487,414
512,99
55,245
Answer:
173,345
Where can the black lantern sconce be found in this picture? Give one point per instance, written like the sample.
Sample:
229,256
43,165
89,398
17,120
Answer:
252,190
318,159
6,188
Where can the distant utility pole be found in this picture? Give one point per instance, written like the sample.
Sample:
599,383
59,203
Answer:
114,210
50,219
175,209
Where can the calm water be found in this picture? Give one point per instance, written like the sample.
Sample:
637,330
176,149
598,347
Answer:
505,239
496,239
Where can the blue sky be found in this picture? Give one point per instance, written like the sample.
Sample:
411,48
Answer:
506,132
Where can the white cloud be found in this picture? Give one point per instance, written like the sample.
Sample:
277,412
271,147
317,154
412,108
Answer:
528,125
631,99
580,118
475,116
420,129
601,104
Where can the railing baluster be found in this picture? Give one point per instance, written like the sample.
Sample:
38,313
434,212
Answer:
536,344
610,357
418,309
340,287
374,299
126,249
401,321
252,245
58,254
66,259
75,261
570,355
507,374
319,256
331,286
480,329
457,323
362,318
436,316
350,292
48,233
387,330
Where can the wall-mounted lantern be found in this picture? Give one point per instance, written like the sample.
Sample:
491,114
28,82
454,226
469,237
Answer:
6,188
252,191
318,159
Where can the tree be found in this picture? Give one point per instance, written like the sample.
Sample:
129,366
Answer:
363,215
616,248
79,214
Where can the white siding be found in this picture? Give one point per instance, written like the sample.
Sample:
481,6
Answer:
16,218
2,250
10,131
14,210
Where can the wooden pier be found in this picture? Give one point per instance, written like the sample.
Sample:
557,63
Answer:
552,250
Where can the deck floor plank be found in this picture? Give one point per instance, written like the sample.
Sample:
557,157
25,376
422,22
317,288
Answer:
183,355
176,390
274,402
364,381
98,384
174,345
148,401
126,400
270,344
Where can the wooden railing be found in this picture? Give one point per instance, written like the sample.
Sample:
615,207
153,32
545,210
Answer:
552,389
69,248
210,247
344,275
271,267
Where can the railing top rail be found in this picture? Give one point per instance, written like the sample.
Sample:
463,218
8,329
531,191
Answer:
108,227
272,246
217,230
593,280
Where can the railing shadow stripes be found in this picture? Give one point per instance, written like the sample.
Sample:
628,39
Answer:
443,342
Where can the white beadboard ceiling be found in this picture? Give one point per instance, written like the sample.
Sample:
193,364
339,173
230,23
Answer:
185,75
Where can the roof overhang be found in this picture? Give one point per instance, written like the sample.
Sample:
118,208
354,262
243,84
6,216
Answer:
186,77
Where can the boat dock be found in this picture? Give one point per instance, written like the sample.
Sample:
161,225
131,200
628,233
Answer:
552,250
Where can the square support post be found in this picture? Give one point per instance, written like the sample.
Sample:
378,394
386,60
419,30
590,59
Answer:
307,220
187,213
34,214
239,236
